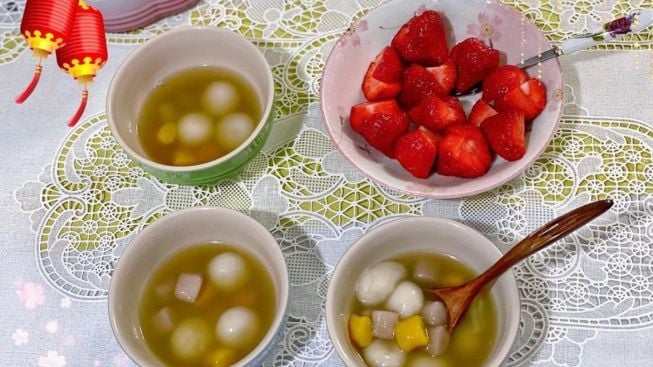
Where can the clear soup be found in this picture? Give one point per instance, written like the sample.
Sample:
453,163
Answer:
181,319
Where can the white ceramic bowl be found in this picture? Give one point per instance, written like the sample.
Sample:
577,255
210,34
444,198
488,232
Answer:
513,35
419,234
170,234
173,51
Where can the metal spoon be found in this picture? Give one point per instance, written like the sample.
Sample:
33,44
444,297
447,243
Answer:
457,299
635,21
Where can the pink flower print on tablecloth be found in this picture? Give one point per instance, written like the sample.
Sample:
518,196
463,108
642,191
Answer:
69,341
51,327
487,27
52,359
65,302
20,337
353,34
31,295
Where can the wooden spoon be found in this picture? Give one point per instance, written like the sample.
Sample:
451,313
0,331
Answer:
457,299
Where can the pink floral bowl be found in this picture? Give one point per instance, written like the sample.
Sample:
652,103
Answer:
515,36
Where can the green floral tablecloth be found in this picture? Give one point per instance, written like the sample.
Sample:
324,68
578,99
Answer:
71,200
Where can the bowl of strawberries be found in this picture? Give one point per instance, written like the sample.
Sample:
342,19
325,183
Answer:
426,96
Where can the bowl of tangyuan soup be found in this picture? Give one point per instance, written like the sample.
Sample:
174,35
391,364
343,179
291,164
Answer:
192,105
379,315
199,287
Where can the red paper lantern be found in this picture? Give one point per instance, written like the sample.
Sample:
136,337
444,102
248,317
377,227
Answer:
46,26
85,52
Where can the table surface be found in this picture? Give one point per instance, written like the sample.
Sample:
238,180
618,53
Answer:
71,200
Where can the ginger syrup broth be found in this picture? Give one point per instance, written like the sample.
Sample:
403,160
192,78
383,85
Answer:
207,305
197,115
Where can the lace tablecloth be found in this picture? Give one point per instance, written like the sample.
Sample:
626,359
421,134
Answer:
71,200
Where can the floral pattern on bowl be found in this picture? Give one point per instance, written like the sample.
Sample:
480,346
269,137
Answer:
515,36
352,35
487,27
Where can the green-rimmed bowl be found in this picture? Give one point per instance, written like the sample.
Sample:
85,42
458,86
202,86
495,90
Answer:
173,51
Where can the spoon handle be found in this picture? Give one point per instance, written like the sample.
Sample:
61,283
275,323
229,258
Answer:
634,22
543,237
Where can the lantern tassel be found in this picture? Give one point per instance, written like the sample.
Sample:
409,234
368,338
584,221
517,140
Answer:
80,110
32,85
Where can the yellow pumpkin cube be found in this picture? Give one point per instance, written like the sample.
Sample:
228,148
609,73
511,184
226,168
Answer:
411,333
167,133
360,330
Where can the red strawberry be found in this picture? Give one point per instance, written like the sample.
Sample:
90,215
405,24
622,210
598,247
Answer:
388,66
416,151
360,112
422,40
445,74
464,152
505,132
383,77
502,81
530,97
381,130
480,112
474,61
417,83
536,91
437,113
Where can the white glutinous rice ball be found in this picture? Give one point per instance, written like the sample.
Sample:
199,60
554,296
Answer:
384,353
190,339
194,129
220,98
376,282
237,327
233,130
407,299
228,271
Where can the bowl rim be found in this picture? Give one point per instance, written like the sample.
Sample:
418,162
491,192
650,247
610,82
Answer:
142,51
434,193
218,212
503,347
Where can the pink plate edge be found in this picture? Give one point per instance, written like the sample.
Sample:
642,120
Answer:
144,15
